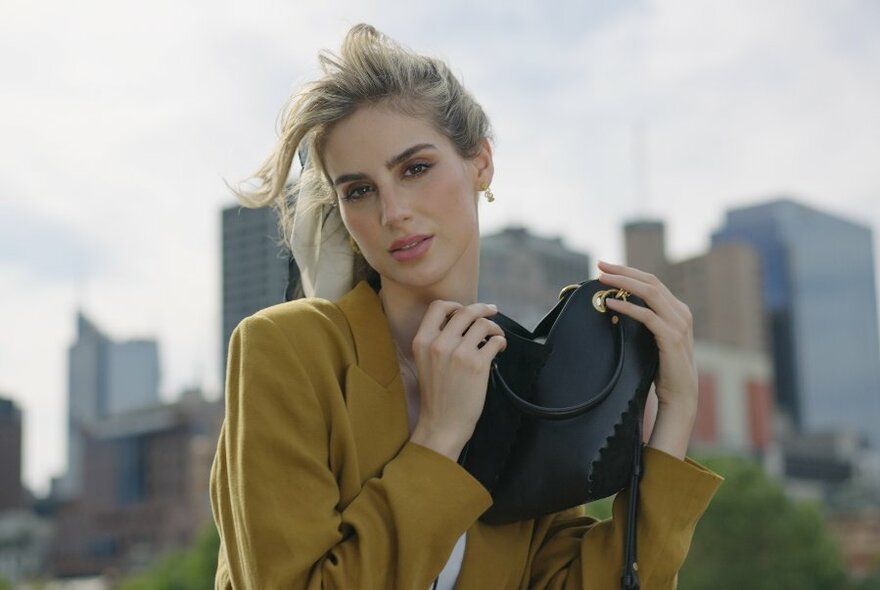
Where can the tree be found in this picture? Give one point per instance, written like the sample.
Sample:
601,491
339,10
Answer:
753,536
871,582
193,569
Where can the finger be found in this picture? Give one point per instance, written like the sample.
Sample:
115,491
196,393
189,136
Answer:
640,275
657,299
662,330
492,348
657,296
439,312
435,319
479,332
637,312
629,271
464,317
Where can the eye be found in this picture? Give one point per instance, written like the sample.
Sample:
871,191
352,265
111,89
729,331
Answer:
357,192
417,169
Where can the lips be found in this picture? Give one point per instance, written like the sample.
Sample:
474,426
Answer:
411,248
407,243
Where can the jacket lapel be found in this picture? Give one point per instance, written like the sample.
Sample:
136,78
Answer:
376,403
374,394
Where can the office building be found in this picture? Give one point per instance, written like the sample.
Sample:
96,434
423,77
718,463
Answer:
736,411
11,490
132,375
722,289
255,266
818,289
523,273
105,377
145,490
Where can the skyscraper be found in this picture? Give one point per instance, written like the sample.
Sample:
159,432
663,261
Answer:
255,266
818,289
11,492
104,378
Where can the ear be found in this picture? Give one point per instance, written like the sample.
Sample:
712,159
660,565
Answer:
483,165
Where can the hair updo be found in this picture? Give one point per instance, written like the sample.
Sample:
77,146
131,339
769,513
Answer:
371,69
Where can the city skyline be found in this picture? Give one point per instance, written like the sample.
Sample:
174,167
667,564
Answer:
120,125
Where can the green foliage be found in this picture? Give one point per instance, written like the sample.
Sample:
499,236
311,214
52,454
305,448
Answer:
753,536
600,509
872,582
5,584
193,569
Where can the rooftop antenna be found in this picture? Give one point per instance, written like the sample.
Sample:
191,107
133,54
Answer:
81,293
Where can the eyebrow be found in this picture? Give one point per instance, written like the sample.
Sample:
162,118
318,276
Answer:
389,164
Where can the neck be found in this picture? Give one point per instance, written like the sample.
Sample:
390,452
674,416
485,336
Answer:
405,306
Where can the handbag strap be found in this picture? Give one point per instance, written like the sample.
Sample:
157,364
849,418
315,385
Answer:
629,580
571,411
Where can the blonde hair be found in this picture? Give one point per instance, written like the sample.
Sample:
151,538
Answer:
370,69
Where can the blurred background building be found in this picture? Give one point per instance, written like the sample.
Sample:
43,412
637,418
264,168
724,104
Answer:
256,269
523,273
12,491
105,377
145,490
136,485
24,536
788,371
818,290
722,288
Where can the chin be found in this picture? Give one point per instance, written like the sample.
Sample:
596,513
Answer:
417,278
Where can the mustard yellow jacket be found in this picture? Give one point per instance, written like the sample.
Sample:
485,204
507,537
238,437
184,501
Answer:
316,485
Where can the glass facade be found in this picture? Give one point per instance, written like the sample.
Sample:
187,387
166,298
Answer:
820,297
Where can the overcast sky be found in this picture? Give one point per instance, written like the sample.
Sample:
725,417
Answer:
120,120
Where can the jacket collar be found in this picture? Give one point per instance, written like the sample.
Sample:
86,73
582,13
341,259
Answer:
375,396
374,348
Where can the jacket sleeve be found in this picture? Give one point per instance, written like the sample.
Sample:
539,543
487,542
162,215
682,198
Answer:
571,551
277,502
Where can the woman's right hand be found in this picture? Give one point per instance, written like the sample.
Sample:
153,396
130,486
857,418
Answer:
453,348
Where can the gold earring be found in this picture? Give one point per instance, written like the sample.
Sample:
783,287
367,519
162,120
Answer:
489,196
354,246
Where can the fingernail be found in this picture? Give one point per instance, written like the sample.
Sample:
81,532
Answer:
493,306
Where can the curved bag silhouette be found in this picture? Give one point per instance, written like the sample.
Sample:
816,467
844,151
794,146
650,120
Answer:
561,425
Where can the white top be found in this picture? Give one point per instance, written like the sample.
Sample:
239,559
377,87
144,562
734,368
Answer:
449,573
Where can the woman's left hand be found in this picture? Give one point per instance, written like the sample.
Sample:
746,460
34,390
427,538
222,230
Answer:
671,322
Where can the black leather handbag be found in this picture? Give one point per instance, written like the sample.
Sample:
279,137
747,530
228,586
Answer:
561,425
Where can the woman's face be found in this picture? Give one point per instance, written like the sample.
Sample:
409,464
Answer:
406,196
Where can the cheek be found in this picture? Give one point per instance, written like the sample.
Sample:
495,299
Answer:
354,222
457,198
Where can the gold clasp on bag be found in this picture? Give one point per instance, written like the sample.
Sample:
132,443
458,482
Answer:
600,296
567,290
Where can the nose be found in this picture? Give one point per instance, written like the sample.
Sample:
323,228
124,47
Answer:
395,207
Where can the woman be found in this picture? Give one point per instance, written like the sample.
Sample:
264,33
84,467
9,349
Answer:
336,466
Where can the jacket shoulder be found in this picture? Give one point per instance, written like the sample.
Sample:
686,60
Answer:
305,314
311,326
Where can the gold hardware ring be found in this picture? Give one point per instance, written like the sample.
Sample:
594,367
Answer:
599,297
